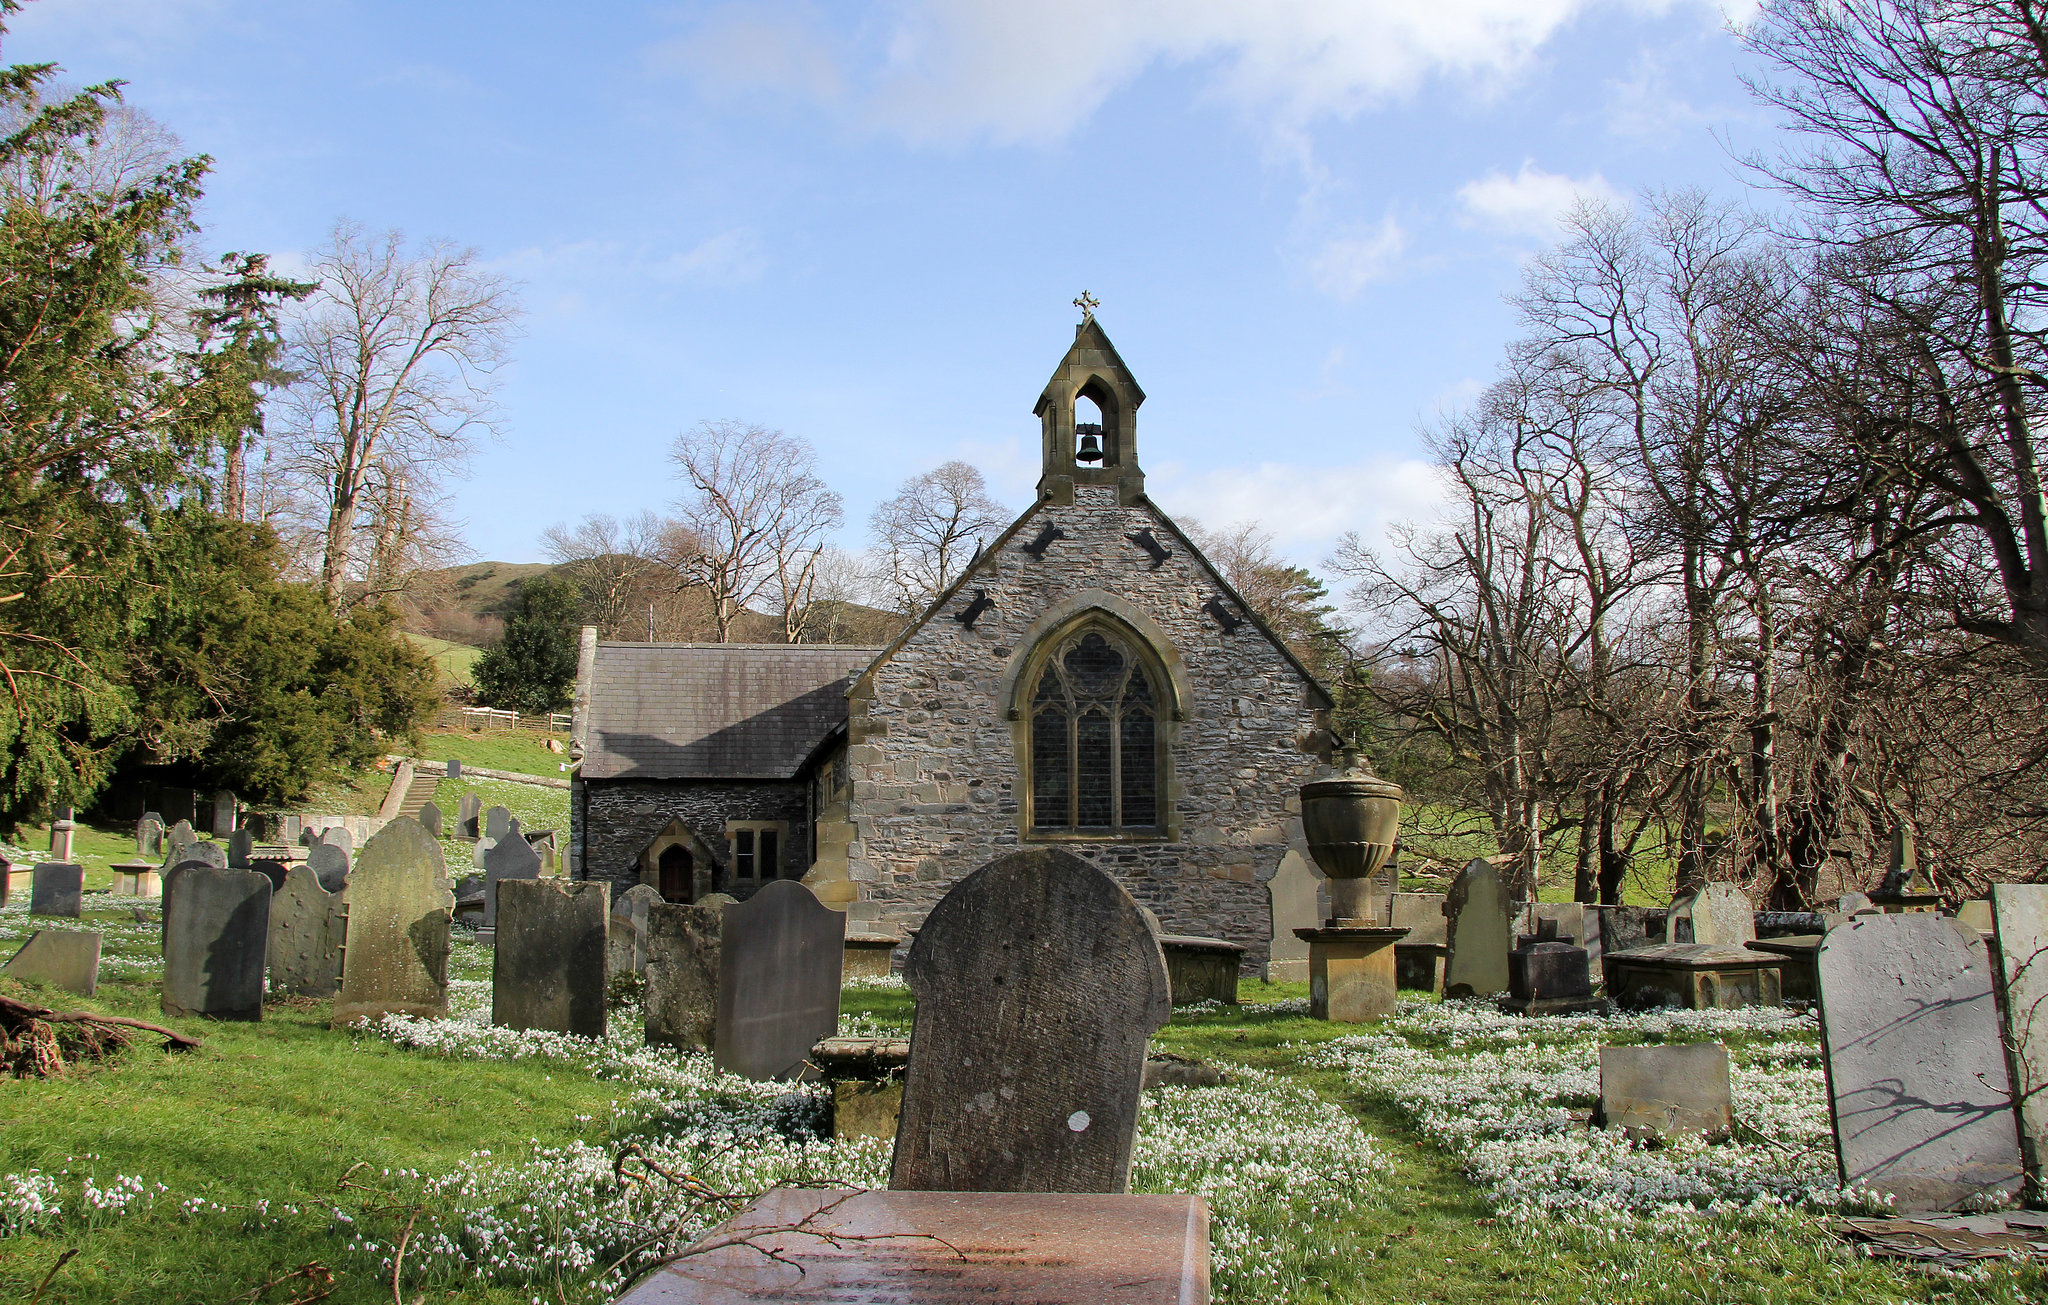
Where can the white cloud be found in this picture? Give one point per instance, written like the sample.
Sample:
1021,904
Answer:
1347,264
955,70
728,258
731,257
1305,509
1531,202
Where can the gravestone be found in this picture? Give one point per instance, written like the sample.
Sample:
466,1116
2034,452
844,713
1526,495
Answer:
149,835
1293,892
1976,913
511,857
338,836
430,819
241,843
2020,922
1718,915
216,927
805,1246
1625,928
467,814
1038,984
329,863
225,805
1916,1072
497,823
627,949
545,846
307,927
1662,1092
1477,914
683,945
779,966
549,968
57,889
178,841
396,957
274,871
195,853
1853,903
480,849
63,958
1419,956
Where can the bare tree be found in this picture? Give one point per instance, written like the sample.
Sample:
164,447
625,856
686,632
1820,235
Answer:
395,356
613,564
759,516
931,529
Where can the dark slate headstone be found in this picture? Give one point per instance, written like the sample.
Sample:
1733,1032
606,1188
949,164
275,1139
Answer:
338,836
330,863
496,822
216,928
430,819
63,958
778,980
57,889
396,957
548,971
511,857
467,815
1477,914
627,950
682,973
149,835
270,869
307,927
195,853
1038,984
1917,1076
454,768
240,843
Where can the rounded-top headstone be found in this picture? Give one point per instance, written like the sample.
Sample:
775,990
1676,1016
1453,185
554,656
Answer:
400,904
330,862
1038,983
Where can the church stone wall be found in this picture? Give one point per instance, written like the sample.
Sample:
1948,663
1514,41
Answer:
620,817
933,761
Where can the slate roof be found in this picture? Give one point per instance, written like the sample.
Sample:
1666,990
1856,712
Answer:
714,711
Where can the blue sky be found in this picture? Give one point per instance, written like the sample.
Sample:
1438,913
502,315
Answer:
863,223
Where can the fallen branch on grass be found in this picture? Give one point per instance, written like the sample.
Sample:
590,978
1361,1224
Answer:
30,1045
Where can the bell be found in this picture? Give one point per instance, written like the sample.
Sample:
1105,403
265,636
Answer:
1091,443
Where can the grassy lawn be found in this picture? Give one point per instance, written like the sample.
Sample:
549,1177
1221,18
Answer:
452,661
523,752
284,1151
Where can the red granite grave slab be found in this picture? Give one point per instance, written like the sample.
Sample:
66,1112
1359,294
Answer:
947,1248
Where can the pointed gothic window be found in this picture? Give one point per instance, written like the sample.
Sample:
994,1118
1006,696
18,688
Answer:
1094,739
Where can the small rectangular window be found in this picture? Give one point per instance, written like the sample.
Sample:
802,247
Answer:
743,853
771,865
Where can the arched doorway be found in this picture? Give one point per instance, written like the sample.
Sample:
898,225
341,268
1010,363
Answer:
678,874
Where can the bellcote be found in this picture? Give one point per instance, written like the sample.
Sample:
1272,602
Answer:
1093,378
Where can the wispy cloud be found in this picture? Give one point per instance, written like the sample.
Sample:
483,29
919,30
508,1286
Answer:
1530,203
1348,263
1306,509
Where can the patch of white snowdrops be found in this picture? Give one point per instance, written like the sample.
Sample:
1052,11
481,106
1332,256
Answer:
1510,1097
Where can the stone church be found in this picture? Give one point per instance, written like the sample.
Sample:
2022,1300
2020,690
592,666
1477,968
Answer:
1091,681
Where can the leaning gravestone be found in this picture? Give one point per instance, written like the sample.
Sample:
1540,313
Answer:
511,857
1718,915
496,822
241,843
627,949
1038,984
467,815
2019,914
430,819
1476,916
329,863
399,905
149,835
63,958
308,925
779,963
57,889
1916,1072
216,926
548,971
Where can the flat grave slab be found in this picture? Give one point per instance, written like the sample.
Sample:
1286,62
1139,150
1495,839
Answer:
1201,969
1696,976
1664,1091
63,958
947,1248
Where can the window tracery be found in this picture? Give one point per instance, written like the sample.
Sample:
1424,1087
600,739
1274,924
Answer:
1094,754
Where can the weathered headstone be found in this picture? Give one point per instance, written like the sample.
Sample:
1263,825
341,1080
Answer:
1625,928
225,805
196,852
1038,984
1419,957
178,841
2020,921
338,836
779,967
545,846
1662,1092
241,843
549,968
430,819
149,835
1477,915
1917,1079
330,864
1718,915
1293,891
57,889
468,815
63,958
1976,913
627,948
497,821
216,927
1853,903
399,905
308,925
683,946
511,857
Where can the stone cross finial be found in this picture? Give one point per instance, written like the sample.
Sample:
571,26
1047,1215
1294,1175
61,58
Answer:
1087,303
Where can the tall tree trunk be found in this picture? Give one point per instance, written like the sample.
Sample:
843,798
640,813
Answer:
1696,780
1613,865
341,524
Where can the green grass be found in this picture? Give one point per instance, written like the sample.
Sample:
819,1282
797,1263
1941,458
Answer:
95,846
453,662
523,752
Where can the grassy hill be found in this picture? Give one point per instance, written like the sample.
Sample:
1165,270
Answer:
453,660
467,604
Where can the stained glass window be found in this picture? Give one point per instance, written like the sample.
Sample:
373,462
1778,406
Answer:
1094,739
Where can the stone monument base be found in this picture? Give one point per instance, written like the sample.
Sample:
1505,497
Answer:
1420,966
1697,976
137,879
1350,971
1796,956
1201,969
868,955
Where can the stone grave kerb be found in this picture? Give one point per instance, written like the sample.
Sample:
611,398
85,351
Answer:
1038,984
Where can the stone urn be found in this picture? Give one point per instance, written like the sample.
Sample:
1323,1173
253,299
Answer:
1350,821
